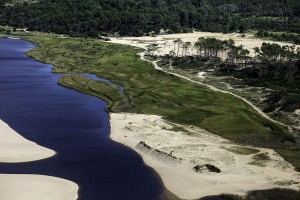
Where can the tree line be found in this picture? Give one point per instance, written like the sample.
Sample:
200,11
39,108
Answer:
128,17
270,60
289,37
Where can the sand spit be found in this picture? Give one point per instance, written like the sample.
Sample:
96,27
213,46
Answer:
165,42
36,187
174,150
15,149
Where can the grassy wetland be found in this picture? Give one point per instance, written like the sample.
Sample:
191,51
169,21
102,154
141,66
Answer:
265,195
148,91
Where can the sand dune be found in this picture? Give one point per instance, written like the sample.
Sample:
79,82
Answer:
165,42
173,153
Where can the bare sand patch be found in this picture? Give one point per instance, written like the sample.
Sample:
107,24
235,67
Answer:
174,150
165,42
15,149
36,187
201,75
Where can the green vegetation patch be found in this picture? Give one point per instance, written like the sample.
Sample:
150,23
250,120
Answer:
286,183
178,129
109,93
148,91
260,159
242,150
271,194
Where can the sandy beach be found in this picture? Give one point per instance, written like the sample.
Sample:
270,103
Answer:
15,149
174,150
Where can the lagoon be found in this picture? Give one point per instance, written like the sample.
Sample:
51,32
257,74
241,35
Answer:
72,124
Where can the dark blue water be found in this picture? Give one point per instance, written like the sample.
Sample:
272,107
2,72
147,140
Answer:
74,125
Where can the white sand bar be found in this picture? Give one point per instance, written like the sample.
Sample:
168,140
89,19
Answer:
173,150
14,148
36,187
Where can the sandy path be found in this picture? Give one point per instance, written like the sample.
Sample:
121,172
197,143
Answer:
214,89
15,149
195,146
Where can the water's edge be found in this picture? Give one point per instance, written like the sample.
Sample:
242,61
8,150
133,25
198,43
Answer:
69,123
166,194
169,194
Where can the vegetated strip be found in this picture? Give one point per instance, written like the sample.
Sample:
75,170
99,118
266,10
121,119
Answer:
149,91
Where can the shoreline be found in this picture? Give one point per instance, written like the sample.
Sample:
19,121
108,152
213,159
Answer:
173,154
36,187
16,149
150,160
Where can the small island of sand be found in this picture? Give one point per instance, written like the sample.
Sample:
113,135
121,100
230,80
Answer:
15,149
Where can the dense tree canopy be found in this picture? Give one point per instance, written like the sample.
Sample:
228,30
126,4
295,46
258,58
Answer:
270,60
130,17
295,38
3,2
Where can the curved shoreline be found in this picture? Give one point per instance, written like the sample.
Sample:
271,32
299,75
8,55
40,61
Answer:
174,154
150,165
17,186
36,187
16,149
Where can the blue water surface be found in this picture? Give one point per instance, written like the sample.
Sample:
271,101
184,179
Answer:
72,124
